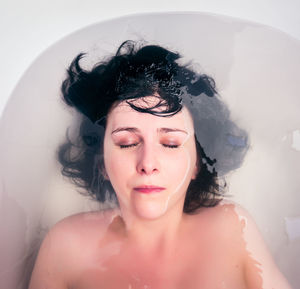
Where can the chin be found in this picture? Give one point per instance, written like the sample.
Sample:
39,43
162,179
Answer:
151,210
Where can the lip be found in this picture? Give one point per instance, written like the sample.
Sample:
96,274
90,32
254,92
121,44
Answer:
149,189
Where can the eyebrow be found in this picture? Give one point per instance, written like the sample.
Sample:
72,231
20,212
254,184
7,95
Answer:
160,130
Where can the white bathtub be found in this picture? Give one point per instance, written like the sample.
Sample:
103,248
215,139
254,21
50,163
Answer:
256,69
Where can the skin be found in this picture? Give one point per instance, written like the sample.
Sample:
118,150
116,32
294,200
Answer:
149,242
150,150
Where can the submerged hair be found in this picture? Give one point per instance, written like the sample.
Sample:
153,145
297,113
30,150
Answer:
132,74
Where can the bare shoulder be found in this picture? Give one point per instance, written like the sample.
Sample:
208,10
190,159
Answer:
238,232
78,229
83,229
228,215
70,240
84,222
231,216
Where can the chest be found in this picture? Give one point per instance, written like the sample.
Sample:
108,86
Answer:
189,268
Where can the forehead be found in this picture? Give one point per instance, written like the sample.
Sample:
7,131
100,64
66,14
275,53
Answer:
124,115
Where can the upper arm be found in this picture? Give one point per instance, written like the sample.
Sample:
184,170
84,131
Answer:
50,267
69,247
259,268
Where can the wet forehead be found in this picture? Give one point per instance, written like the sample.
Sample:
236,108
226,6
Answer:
124,115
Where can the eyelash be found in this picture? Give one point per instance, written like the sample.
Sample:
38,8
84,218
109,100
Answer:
135,144
128,146
171,146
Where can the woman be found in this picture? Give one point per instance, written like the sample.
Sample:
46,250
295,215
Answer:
148,145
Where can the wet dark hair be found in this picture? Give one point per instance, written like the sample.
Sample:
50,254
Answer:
133,73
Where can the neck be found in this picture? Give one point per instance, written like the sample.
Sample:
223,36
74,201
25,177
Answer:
155,237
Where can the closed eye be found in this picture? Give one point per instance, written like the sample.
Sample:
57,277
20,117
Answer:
170,146
135,144
128,146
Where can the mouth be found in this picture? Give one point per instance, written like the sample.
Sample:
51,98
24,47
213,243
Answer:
148,189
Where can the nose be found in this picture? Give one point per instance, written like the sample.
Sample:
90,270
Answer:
147,163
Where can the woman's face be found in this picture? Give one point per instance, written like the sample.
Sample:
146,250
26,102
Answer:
149,160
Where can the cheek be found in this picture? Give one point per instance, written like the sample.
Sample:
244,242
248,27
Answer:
184,166
177,165
114,165
112,162
119,168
